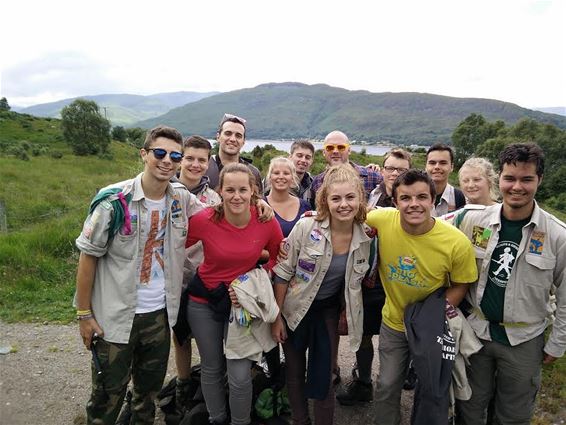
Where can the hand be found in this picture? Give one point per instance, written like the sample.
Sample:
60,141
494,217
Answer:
279,330
87,329
265,211
233,297
548,359
264,257
283,251
374,167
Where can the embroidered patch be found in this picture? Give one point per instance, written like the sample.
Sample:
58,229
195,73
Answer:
87,232
362,261
303,276
106,204
306,265
480,236
316,236
134,219
536,245
176,205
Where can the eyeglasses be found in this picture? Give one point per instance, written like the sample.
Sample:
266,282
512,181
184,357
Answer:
390,169
162,153
233,118
340,148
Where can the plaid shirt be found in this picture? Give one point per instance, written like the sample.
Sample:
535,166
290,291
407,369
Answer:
370,179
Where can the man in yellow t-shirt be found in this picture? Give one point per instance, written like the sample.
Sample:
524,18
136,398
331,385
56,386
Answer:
418,255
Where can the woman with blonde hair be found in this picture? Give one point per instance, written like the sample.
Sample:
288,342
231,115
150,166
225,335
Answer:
478,181
327,260
281,179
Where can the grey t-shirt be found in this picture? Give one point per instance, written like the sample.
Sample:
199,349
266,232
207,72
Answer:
334,279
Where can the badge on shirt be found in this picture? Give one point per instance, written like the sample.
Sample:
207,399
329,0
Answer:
303,276
306,265
316,236
480,236
536,245
176,209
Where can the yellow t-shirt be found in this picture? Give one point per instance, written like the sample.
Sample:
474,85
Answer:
412,267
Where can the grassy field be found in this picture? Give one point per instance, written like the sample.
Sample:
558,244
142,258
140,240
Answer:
46,198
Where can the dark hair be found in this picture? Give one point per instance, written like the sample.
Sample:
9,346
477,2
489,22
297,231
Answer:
399,154
232,118
302,143
197,142
162,131
523,152
411,177
441,147
236,167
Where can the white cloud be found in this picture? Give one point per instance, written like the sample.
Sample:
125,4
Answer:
500,49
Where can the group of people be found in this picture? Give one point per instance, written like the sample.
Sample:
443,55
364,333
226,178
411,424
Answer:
200,244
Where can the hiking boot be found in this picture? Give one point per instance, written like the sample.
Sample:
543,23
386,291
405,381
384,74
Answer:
353,392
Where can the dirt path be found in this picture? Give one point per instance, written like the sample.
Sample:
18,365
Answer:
46,378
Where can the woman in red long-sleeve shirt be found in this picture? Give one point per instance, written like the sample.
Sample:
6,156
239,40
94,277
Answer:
232,239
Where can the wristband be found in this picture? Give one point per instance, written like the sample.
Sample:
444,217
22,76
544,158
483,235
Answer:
85,317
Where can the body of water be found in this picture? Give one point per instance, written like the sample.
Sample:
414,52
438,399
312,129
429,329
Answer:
284,145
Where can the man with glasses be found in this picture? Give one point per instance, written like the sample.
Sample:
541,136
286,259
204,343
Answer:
336,150
231,136
360,388
129,279
439,165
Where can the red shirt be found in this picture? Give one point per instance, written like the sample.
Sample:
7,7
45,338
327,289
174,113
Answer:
230,251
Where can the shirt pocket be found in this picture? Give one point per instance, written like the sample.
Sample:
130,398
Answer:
308,261
540,271
123,246
179,233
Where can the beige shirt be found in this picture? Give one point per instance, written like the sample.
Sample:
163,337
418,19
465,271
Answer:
114,293
310,254
540,269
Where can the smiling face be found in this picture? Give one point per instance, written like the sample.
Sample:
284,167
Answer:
343,202
392,167
281,177
160,169
475,185
415,204
231,138
438,167
518,184
303,159
194,164
236,193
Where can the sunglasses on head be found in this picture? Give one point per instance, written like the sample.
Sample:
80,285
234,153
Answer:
340,148
162,153
230,117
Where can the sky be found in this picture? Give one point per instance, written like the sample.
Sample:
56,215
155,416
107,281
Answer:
510,50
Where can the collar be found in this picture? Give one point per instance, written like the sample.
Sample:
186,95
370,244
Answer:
536,217
136,189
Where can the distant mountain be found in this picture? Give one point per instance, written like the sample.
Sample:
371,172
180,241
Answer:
123,109
291,110
559,110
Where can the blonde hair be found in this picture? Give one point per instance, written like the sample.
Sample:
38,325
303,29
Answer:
487,169
281,160
231,169
343,173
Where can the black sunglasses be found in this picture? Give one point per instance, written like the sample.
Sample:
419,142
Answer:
161,153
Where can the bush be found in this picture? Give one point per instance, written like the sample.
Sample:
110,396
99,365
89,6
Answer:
56,155
23,155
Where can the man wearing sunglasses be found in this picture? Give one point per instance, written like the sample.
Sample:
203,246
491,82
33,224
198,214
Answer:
231,136
336,150
129,278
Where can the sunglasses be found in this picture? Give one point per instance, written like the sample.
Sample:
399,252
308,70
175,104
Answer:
390,169
340,148
230,117
162,153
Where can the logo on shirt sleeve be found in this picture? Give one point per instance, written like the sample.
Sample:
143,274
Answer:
480,236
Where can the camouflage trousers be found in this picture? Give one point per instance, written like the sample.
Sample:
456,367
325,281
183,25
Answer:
144,359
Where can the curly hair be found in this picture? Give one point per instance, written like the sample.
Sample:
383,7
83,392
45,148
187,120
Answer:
487,169
343,173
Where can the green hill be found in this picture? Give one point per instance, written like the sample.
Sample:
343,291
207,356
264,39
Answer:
291,110
123,109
